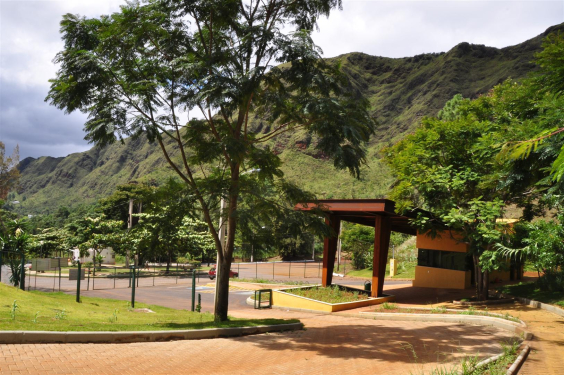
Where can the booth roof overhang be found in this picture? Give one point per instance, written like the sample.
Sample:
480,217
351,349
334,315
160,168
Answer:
364,211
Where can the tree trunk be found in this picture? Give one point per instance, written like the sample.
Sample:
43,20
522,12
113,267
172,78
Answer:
485,286
477,275
168,262
225,256
222,289
482,279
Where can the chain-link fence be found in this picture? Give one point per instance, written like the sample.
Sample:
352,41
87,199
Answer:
110,277
59,277
283,271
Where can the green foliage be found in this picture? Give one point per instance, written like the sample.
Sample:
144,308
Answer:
532,290
9,174
358,241
168,230
61,315
541,243
134,71
13,309
116,206
15,241
95,233
451,110
389,306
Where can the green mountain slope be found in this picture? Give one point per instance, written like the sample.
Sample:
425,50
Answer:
401,92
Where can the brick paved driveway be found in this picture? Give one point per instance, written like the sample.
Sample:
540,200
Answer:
330,345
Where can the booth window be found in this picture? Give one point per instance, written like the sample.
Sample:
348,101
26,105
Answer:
450,260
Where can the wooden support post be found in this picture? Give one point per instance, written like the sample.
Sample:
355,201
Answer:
382,231
329,251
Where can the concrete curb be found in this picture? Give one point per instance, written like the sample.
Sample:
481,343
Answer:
507,325
540,305
251,302
487,302
44,337
514,327
514,369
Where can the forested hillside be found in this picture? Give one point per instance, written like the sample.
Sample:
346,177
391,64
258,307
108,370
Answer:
401,92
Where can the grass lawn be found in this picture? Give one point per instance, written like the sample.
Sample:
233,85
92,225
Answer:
405,271
39,311
330,294
532,291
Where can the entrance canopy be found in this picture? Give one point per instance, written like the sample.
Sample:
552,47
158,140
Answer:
377,213
363,211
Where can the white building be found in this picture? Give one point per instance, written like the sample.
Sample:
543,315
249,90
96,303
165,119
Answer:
107,253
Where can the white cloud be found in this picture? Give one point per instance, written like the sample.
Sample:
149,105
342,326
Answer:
407,28
29,40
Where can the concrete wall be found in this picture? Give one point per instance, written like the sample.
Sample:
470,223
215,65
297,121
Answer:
429,277
445,242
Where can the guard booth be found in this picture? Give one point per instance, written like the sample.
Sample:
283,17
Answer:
377,213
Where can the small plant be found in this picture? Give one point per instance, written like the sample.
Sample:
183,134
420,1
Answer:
13,310
129,306
61,315
389,306
471,311
114,317
35,318
439,310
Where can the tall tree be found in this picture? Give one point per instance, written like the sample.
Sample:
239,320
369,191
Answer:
96,233
450,169
236,62
9,173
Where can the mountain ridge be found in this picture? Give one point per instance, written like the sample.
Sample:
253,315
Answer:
400,90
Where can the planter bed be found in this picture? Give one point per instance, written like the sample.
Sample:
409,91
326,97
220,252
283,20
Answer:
350,299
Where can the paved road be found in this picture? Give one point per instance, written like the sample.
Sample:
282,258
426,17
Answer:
179,296
331,344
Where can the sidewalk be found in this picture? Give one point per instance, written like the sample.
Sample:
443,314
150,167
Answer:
330,344
547,354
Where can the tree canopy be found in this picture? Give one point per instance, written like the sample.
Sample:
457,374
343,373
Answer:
136,72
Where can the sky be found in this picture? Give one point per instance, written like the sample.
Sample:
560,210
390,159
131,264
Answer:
29,40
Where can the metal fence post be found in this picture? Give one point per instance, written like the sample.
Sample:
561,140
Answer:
133,287
193,290
154,272
256,270
115,276
77,283
88,283
22,274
